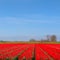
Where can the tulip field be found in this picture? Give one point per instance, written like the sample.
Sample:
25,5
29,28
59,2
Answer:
29,51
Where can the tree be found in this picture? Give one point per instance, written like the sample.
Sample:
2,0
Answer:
53,38
32,40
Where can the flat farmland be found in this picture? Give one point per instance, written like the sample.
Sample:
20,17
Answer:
33,51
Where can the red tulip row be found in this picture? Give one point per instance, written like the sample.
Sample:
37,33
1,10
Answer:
28,54
12,52
30,51
40,55
52,52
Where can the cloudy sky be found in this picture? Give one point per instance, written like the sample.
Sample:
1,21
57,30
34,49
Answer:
25,19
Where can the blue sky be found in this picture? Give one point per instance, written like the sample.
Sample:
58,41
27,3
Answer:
25,19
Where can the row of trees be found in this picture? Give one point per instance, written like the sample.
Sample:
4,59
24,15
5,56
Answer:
52,38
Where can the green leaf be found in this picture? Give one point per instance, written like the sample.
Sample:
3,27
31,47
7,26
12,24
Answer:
7,59
15,58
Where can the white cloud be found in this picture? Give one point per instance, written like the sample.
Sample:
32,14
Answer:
13,20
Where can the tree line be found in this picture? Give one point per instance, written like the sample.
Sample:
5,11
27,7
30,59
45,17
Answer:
51,38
